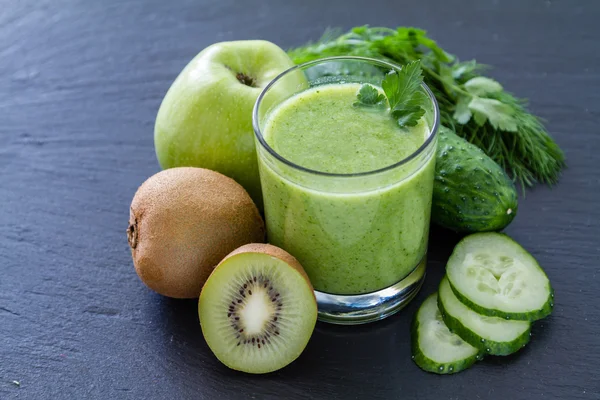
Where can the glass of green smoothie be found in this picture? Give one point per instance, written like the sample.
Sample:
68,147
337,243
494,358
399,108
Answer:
346,190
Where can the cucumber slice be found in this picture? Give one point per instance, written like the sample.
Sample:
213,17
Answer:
434,347
494,276
493,335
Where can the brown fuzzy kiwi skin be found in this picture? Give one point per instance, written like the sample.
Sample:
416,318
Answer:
182,222
273,251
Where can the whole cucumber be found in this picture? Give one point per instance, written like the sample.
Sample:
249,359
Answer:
471,193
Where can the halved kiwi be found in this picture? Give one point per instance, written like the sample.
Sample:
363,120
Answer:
257,309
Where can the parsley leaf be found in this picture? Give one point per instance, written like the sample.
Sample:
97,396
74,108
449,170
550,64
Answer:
499,114
369,96
480,86
403,93
459,70
462,114
408,115
402,90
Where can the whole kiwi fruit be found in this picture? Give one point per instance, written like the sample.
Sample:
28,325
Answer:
182,222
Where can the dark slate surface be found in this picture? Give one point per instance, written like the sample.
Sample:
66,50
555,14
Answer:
80,84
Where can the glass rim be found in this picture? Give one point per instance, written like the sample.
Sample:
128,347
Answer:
393,66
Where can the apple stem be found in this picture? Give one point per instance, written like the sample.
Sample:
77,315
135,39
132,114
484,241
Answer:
245,79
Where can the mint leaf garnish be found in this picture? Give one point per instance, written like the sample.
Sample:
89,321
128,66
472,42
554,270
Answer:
369,96
403,93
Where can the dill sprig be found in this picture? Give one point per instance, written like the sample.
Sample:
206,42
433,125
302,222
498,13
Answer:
474,106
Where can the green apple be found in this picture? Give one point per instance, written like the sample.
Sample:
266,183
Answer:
205,119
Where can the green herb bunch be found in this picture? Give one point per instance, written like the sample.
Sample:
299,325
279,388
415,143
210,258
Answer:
474,106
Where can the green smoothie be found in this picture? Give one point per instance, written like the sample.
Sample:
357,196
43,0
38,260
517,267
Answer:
353,235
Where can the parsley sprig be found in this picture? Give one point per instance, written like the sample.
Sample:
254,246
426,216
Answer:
369,96
402,92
